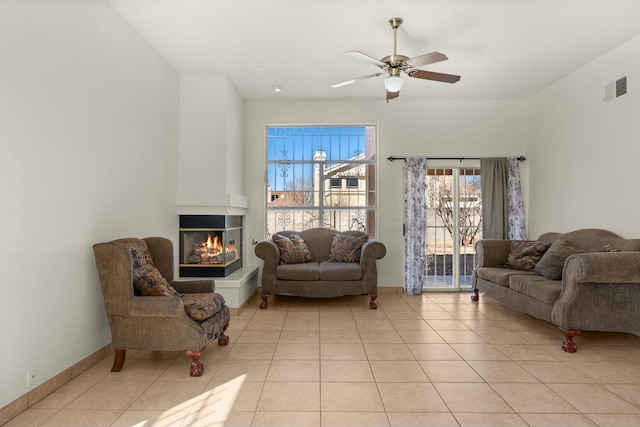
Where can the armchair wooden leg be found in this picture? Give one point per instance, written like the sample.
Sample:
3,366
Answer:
222,338
197,368
118,360
372,303
568,344
265,297
475,297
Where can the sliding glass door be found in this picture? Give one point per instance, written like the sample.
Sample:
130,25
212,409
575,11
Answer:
454,224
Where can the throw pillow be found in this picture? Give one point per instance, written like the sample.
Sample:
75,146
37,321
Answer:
552,262
347,248
152,284
140,256
293,249
524,254
147,279
202,306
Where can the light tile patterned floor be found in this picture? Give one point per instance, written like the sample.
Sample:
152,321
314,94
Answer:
431,360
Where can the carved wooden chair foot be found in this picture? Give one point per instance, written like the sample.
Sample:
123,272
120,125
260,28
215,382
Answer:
197,368
568,344
223,339
372,303
265,298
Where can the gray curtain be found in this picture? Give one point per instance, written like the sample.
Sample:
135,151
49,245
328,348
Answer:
494,173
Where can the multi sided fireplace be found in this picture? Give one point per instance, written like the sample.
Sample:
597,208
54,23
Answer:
210,245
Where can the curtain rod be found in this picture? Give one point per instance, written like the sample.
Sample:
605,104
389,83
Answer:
391,158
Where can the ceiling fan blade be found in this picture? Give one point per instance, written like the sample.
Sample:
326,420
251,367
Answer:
430,75
392,95
348,82
428,58
366,58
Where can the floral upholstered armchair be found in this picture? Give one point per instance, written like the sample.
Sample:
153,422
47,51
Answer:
148,310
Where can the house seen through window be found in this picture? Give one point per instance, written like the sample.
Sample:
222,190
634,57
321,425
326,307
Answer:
321,176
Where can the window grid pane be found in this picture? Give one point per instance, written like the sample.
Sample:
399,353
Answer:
321,176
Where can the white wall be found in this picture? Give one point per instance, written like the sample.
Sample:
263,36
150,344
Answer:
211,145
210,135
584,152
88,153
458,129
235,140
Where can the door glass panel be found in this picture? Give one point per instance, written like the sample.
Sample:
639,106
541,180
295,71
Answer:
454,224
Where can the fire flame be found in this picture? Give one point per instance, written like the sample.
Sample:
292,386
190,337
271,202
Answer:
215,243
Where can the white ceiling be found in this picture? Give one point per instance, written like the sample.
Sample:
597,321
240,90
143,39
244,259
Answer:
503,49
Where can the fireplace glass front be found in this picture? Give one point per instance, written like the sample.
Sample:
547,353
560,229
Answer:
210,245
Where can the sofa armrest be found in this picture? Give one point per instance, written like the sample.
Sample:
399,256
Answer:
492,252
142,306
268,251
200,286
603,267
601,292
371,251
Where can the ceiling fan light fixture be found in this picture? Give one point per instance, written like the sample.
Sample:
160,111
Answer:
393,83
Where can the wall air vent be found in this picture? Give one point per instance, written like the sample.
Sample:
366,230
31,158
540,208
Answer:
614,90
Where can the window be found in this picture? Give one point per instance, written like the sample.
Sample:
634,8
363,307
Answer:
306,167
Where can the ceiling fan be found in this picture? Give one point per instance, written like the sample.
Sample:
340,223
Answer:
395,64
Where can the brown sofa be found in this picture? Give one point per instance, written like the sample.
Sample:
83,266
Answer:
599,288
320,278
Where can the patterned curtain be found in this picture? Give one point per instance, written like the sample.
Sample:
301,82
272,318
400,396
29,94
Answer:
516,229
415,223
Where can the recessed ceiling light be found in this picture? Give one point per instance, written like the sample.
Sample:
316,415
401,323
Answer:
276,88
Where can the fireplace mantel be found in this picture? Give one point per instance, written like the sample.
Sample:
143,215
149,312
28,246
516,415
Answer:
210,203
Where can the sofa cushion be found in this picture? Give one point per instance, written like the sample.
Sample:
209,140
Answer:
347,248
524,254
293,249
536,287
331,271
202,306
552,262
305,271
499,275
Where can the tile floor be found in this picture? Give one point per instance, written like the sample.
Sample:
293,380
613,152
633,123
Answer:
431,360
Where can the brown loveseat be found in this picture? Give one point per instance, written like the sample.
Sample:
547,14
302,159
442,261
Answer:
598,288
321,277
